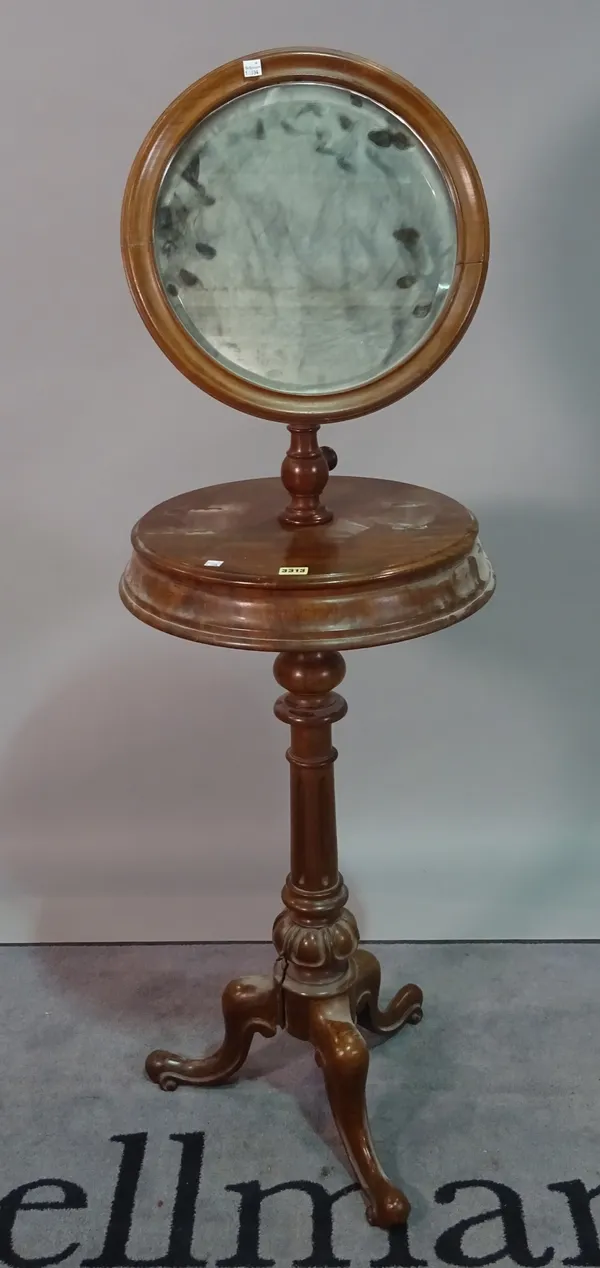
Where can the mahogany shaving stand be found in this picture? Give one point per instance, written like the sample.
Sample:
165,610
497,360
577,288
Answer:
305,236
430,574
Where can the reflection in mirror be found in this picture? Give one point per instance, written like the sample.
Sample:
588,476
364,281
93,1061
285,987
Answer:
305,238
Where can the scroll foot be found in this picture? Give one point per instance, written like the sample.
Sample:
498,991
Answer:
404,1009
250,1007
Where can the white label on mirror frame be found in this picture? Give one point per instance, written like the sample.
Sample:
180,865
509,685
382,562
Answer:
293,572
213,563
252,67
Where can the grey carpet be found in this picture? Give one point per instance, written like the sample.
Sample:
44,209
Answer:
488,1114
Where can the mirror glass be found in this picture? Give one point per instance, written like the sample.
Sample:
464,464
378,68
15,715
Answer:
305,238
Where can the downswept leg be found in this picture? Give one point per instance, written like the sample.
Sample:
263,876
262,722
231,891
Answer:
342,1053
404,1009
250,1007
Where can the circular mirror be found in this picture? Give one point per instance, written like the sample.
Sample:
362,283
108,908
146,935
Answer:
310,242
305,237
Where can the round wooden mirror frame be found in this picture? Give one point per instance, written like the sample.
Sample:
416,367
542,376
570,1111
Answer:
356,75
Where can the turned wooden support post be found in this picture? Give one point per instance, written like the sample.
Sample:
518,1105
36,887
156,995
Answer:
305,472
315,935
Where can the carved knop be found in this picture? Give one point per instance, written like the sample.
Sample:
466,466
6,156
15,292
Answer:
326,948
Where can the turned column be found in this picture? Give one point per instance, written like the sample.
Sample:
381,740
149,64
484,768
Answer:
315,936
304,473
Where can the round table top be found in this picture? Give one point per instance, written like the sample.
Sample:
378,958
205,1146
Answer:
379,528
216,565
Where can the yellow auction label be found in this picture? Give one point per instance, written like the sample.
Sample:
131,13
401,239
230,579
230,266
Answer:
293,572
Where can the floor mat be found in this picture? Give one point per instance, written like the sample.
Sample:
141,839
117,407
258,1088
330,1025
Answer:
488,1115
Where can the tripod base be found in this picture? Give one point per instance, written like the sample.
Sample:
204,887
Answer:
262,1005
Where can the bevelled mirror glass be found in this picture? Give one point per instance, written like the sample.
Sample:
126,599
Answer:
305,237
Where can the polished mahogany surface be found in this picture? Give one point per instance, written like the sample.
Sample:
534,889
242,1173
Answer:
394,561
